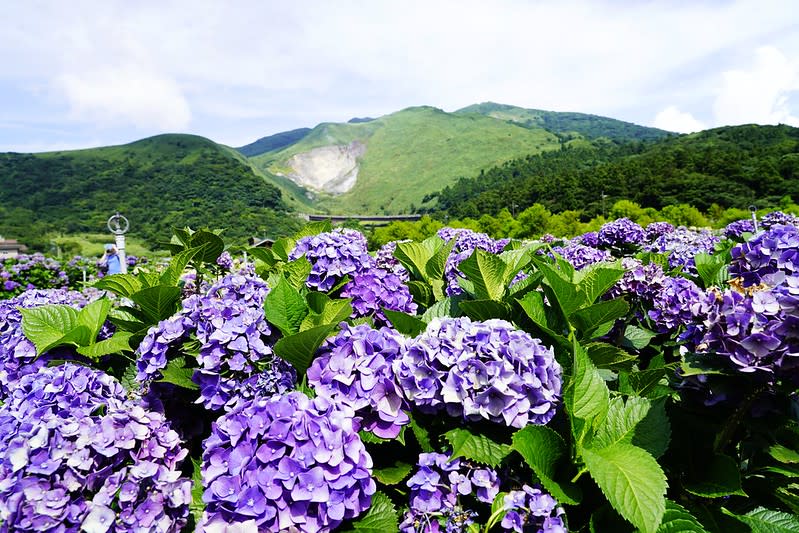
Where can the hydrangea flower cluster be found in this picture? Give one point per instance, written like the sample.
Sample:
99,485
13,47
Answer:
589,238
641,284
384,258
580,255
333,255
683,245
679,303
621,235
229,324
436,488
287,463
768,253
17,353
657,229
778,218
466,242
26,272
376,289
76,454
757,333
225,261
736,230
481,370
532,509
354,369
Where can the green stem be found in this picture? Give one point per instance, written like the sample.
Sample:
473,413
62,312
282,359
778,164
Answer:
582,471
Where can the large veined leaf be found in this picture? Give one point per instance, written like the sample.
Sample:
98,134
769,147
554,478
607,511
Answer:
485,309
597,279
762,520
566,294
171,276
119,342
325,310
158,303
422,436
381,517
93,316
636,421
715,477
282,247
406,324
589,319
392,475
300,349
637,338
632,481
588,397
444,308
542,449
434,268
487,272
712,269
285,307
313,228
677,519
125,285
533,305
476,447
177,374
210,243
414,256
296,272
46,325
605,355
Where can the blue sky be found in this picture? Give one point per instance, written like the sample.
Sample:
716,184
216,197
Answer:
91,73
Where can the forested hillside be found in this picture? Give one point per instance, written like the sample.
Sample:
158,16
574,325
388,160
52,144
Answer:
731,167
157,183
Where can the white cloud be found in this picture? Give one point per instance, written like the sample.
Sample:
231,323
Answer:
760,93
672,119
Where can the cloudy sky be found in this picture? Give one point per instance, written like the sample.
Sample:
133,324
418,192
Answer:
89,73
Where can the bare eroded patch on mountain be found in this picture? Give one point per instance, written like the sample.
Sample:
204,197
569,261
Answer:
332,169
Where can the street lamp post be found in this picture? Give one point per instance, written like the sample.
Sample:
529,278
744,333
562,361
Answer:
119,225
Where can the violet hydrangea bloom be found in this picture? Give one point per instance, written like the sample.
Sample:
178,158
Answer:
657,229
580,256
621,235
437,486
778,218
384,258
590,238
532,509
288,463
75,454
466,242
17,353
735,230
679,303
375,289
333,255
683,245
481,370
354,369
766,254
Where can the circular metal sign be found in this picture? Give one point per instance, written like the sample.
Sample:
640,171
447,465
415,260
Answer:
118,225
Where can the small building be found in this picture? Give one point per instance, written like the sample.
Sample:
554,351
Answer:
257,242
11,248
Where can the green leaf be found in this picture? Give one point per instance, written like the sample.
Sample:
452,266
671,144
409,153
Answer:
128,378
637,338
653,433
445,308
476,447
119,342
588,397
414,256
300,349
296,272
313,228
392,475
421,292
608,356
642,383
325,310
197,506
434,268
597,279
589,319
487,272
285,307
93,316
485,309
422,436
565,292
631,480
211,246
715,477
381,518
179,262
177,374
533,305
281,248
406,324
712,269
636,421
762,520
677,519
46,325
783,454
158,303
125,285
263,254
542,449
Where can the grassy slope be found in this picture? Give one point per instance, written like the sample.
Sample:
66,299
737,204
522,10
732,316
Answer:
413,152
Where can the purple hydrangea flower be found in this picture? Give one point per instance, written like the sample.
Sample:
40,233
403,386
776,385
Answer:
766,254
76,454
333,255
287,463
376,289
436,490
225,261
735,230
580,256
466,242
679,303
682,245
532,509
657,229
354,369
778,218
25,272
384,258
590,238
481,370
621,235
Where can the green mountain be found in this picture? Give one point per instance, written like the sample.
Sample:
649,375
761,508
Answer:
274,142
568,124
157,183
735,166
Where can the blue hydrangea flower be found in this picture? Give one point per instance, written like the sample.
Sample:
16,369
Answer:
481,370
683,245
735,230
384,258
354,369
532,509
580,255
333,255
679,303
657,229
621,236
286,463
778,218
376,289
773,252
75,454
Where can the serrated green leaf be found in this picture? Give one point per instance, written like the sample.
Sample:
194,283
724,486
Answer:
589,319
313,228
762,520
404,323
118,342
487,272
677,519
653,433
434,268
300,349
176,373
421,292
197,505
282,247
565,293
93,316
608,356
637,338
179,262
124,285
783,454
485,309
381,517
588,397
264,255
620,423
715,477
533,305
296,272
46,325
285,307
642,383
476,447
414,256
597,279
157,303
392,475
211,246
444,308
422,436
542,448
712,269
325,310
632,481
